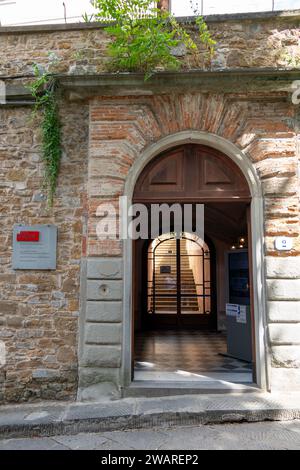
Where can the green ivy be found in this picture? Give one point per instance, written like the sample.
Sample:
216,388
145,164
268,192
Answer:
43,90
144,36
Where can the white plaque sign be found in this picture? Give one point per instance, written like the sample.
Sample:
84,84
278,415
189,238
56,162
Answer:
34,247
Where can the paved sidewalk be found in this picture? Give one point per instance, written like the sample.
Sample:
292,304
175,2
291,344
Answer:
48,419
246,436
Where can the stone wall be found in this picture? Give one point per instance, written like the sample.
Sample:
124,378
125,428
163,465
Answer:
39,310
41,327
242,41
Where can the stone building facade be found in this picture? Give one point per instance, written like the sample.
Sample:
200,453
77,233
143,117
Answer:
66,333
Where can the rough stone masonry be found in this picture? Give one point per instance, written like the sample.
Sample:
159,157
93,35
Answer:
62,331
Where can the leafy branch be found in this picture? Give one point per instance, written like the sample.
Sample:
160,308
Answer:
145,36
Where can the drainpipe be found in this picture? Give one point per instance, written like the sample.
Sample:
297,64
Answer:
65,12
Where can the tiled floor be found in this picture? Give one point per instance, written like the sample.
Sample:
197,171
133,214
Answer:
190,351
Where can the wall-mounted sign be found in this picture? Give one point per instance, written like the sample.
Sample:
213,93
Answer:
34,247
283,243
232,310
237,311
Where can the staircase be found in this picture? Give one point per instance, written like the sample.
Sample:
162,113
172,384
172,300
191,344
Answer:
166,283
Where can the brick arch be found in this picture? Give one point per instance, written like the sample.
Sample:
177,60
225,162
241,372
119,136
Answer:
127,127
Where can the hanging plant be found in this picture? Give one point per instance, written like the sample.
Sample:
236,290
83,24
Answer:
44,91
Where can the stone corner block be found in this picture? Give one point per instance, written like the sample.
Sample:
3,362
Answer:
287,380
105,268
286,356
91,376
101,356
102,311
285,333
103,333
280,311
104,290
283,289
283,268
97,392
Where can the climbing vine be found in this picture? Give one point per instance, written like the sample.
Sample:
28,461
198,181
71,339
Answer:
44,91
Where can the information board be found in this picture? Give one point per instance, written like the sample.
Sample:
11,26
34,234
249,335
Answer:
34,247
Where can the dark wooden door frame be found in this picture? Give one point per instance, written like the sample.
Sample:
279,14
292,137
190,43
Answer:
178,278
251,280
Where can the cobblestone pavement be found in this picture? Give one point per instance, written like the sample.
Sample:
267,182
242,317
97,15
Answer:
265,436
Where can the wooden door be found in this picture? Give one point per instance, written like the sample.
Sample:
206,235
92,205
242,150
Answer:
192,173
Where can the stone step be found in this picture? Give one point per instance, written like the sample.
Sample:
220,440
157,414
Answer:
161,284
165,300
173,311
173,269
169,301
184,272
185,267
184,278
173,306
171,290
172,294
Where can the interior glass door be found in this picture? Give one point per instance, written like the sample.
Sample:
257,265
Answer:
179,281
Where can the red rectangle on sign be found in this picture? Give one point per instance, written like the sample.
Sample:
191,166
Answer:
28,236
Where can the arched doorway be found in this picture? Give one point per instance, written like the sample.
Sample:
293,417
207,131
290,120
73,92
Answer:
255,231
183,284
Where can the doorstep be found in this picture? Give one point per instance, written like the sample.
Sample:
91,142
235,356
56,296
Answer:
165,383
160,388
